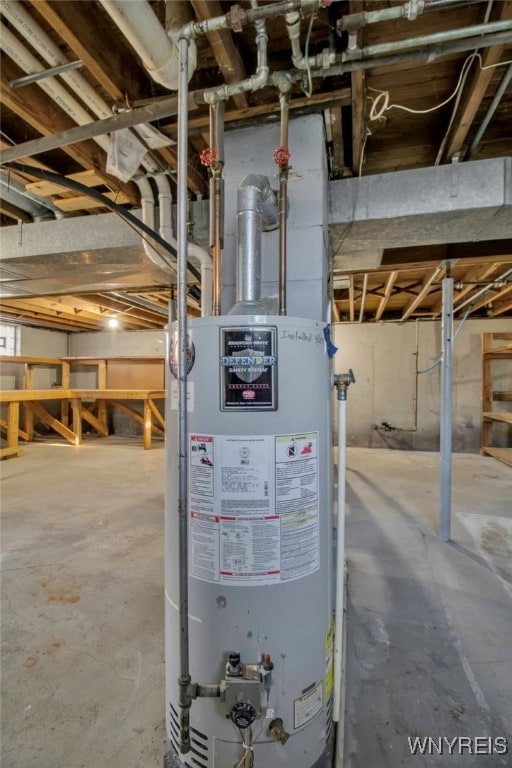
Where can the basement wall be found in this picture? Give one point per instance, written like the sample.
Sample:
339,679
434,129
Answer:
383,358
114,344
37,343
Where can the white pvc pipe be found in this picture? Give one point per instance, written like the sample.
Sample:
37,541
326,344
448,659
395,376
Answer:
147,200
194,250
47,49
142,29
337,715
15,49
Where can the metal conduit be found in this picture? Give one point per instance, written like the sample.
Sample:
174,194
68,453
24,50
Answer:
419,42
184,681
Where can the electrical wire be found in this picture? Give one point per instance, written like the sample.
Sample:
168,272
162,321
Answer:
308,90
381,105
249,748
459,329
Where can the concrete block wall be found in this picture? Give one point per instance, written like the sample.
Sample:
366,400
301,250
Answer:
250,151
38,343
383,357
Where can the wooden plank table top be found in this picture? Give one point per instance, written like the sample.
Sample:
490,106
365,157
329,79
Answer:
57,393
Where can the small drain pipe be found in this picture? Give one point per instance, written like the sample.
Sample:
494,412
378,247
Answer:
147,200
257,204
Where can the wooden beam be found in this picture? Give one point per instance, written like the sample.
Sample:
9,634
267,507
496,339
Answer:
52,422
358,119
114,65
338,154
475,274
33,106
13,212
13,422
351,298
21,433
195,179
425,290
98,425
476,90
500,307
387,293
318,101
358,97
76,409
156,413
137,416
490,298
224,49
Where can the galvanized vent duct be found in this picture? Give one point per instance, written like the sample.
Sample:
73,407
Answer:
257,208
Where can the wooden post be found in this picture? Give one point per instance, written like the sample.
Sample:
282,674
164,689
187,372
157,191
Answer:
147,424
65,384
486,424
13,412
76,407
102,414
102,374
28,416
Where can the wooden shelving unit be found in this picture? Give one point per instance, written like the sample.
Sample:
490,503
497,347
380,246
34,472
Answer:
492,351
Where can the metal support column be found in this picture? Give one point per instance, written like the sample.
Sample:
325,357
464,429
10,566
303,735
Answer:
445,443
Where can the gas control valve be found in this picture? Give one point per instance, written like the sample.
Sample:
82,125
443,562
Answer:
242,688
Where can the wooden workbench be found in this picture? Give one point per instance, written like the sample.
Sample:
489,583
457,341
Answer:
94,413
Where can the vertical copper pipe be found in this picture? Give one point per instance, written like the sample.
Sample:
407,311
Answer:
217,198
284,99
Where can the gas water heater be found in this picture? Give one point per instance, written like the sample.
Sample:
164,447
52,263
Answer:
248,544
259,564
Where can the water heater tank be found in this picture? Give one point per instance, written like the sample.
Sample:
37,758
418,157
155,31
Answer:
260,549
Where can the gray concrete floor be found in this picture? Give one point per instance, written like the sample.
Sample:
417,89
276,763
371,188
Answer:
429,649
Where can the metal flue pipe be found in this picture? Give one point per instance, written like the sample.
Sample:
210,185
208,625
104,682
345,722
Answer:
257,203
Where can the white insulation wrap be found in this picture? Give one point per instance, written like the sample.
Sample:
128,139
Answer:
260,543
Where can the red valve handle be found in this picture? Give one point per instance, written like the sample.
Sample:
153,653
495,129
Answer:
208,156
281,155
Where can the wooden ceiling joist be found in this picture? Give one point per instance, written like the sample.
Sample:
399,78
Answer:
476,89
224,49
390,282
36,109
475,274
113,67
436,274
6,209
490,297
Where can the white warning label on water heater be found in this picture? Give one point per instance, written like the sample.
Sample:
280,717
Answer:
296,493
253,508
309,705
